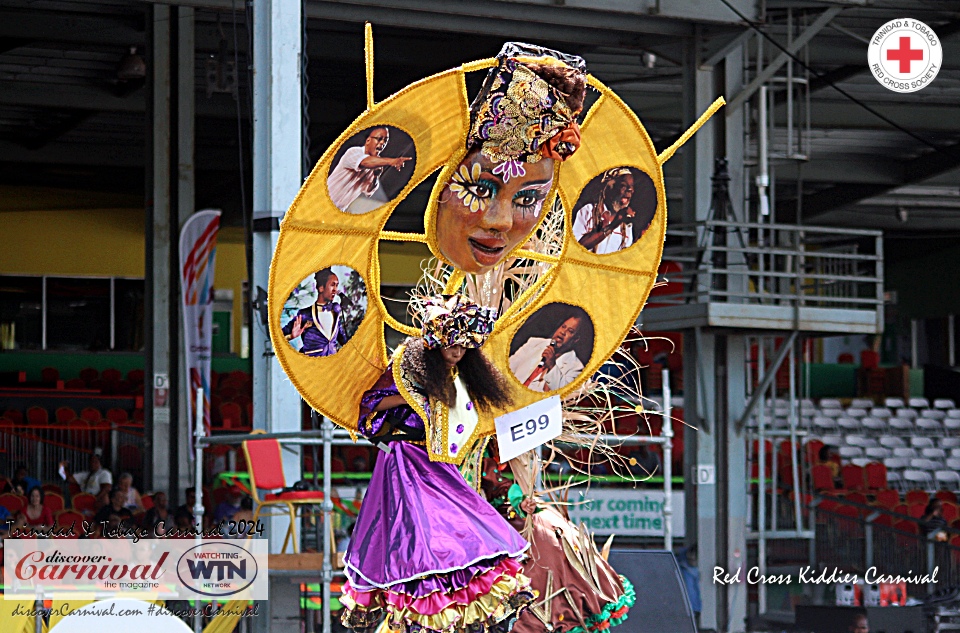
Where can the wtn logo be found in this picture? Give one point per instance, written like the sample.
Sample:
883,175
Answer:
223,568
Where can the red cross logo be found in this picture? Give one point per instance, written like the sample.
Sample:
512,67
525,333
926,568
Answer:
905,55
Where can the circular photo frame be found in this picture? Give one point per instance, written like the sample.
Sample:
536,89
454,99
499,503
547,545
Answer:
552,347
614,210
371,168
324,311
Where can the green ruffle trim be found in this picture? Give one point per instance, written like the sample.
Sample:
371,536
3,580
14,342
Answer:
628,599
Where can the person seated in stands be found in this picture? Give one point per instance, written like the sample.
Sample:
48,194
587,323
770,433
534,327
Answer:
6,522
229,506
191,495
133,502
23,482
826,457
158,519
35,515
97,481
859,622
115,507
933,521
184,521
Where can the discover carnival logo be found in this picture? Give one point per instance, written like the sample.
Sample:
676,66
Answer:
147,569
905,55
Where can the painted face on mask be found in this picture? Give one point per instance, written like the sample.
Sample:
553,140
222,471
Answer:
487,209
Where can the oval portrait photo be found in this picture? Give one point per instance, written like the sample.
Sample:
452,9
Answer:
614,209
324,311
371,168
551,348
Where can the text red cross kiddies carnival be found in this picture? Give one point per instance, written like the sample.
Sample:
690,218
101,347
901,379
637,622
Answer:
905,54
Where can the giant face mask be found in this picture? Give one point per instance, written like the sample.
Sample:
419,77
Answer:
487,209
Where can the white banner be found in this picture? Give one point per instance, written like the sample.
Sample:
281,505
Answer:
625,512
527,428
146,569
198,252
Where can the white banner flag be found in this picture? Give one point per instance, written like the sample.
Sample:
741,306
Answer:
198,252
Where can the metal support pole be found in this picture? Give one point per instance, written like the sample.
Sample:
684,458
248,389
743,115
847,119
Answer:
327,522
762,482
794,458
198,429
667,431
914,361
951,347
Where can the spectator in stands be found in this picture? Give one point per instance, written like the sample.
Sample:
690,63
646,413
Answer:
826,457
133,502
114,512
22,482
932,519
36,515
184,520
97,481
158,519
6,521
859,622
229,506
191,494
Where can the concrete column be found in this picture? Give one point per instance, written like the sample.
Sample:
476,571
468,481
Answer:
158,273
186,206
276,179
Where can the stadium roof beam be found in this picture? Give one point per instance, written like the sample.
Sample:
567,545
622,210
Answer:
916,170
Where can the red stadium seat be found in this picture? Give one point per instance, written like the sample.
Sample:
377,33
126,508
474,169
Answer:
84,502
14,415
75,383
852,477
37,415
49,375
111,375
889,499
916,509
70,523
947,496
117,415
232,415
89,374
822,477
90,414
917,496
53,501
65,414
876,474
950,512
13,502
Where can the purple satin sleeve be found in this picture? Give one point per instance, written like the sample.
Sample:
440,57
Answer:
369,425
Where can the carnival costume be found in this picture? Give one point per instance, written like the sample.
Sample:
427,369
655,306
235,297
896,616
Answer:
578,591
428,551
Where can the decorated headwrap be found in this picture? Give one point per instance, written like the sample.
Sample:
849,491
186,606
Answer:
453,320
519,116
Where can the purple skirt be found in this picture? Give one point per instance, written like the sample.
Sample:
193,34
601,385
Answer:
421,518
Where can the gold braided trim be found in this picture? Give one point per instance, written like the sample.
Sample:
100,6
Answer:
397,236
368,62
667,153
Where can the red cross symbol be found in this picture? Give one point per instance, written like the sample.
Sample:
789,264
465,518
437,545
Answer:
905,54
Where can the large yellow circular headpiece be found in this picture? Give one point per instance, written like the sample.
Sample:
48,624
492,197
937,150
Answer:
326,314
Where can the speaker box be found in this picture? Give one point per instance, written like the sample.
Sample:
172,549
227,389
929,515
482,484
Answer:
662,605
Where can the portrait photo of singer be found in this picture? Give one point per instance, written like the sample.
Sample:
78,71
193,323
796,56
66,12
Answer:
371,168
614,210
550,350
324,311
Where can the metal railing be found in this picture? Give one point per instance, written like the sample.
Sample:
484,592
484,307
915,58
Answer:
774,264
872,538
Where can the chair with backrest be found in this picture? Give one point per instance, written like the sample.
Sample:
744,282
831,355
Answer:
878,452
53,501
49,375
892,442
852,477
944,403
894,403
902,425
91,414
13,502
69,523
917,496
89,374
916,510
915,478
922,442
84,503
231,415
946,496
946,443
37,415
950,511
876,475
64,415
265,467
111,375
889,499
75,383
117,416
947,478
